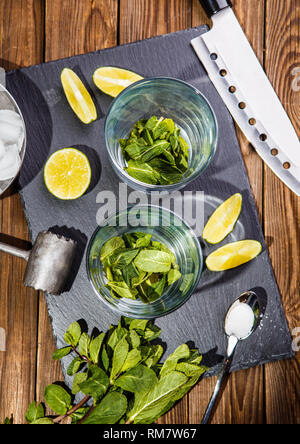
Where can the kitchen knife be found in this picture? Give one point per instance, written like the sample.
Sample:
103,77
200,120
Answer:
248,94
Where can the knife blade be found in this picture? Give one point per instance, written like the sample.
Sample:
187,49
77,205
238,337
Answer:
247,92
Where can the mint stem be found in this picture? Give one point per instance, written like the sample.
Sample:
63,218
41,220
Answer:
87,414
84,358
72,410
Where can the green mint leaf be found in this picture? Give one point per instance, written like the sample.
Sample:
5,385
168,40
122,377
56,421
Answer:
78,379
147,136
129,240
95,346
182,352
83,345
136,149
153,261
143,172
134,339
122,258
113,244
109,411
151,123
130,272
155,355
152,332
170,158
96,384
105,359
170,125
119,357
79,414
195,358
122,289
133,358
73,334
149,405
191,370
35,411
138,324
184,146
138,379
159,129
150,152
61,353
138,280
155,290
173,276
57,398
115,334
144,241
74,366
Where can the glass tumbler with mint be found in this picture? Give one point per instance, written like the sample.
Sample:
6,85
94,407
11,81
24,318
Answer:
161,133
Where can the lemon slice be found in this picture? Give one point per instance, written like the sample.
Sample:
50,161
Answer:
78,96
233,255
113,81
223,220
67,174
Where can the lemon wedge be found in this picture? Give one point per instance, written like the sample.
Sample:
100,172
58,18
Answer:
223,220
113,81
78,96
67,174
233,255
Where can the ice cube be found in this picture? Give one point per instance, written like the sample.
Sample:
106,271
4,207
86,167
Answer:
9,116
2,149
10,133
10,163
11,127
9,173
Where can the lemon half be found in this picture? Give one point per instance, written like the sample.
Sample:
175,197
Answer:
223,220
78,96
67,174
113,81
233,255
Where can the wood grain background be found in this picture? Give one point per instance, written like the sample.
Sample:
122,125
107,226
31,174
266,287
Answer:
34,31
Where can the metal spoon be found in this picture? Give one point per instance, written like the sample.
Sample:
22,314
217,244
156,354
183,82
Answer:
251,299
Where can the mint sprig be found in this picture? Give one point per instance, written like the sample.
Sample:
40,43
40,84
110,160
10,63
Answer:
119,377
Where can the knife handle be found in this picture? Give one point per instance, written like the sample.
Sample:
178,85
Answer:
211,7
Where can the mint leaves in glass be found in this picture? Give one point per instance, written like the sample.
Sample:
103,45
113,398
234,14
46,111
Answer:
155,152
138,267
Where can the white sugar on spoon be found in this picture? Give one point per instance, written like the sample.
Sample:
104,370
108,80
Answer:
239,320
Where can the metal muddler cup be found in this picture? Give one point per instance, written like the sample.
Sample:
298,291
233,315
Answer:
48,262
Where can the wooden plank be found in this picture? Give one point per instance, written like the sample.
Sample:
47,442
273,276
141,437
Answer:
72,27
242,399
76,27
199,16
140,19
21,44
282,207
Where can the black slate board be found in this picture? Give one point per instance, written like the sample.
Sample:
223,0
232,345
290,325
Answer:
52,125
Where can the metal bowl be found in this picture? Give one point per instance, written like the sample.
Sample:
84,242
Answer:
8,102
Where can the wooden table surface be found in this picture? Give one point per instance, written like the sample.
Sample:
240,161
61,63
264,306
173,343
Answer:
35,31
